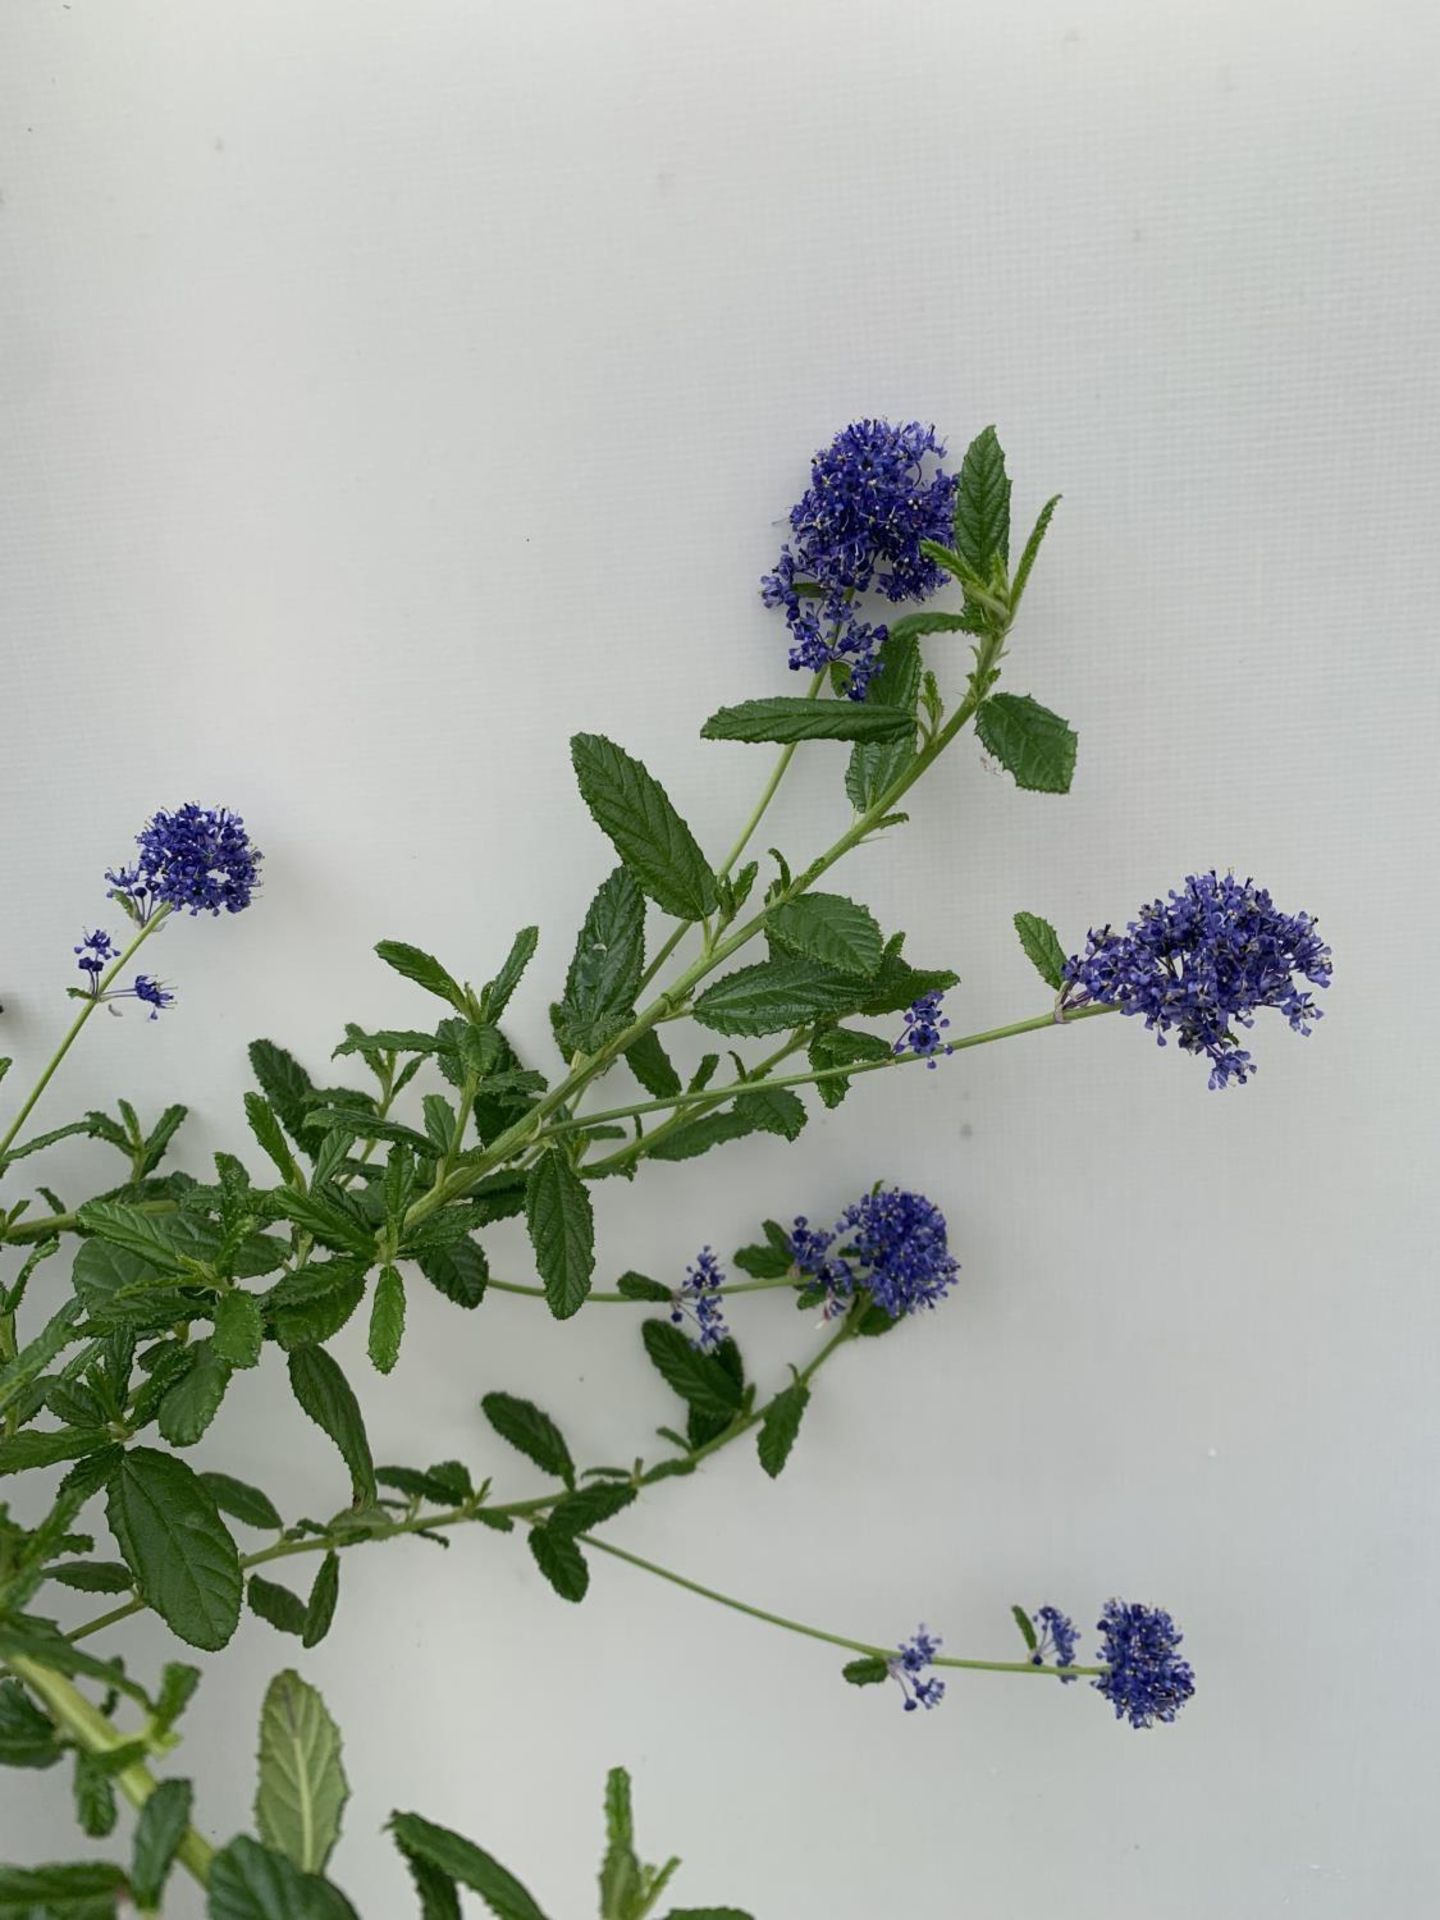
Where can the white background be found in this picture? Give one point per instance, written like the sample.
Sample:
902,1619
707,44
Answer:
393,390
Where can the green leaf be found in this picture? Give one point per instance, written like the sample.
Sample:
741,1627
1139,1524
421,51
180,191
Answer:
314,1302
1035,746
118,1287
194,1400
96,1810
609,958
622,1885
239,1328
701,1381
495,997
775,995
770,1262
780,1424
276,1605
866,1672
302,1787
22,1451
982,506
789,719
898,984
326,1395
1027,1628
27,1737
638,1286
836,1047
562,1232
284,1082
651,1066
1042,948
591,1507
561,1561
531,1432
875,766
632,809
169,1531
460,1271
138,1232
265,1125
424,969
915,626
251,1882
330,1219
387,1320
1032,548
770,1110
158,1832
320,1608
35,1356
827,927
241,1501
86,1890
462,1860
91,1576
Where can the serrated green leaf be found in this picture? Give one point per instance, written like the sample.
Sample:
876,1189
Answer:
27,1737
496,995
530,1432
897,985
327,1397
651,1066
251,1882
239,1328
1042,948
1034,745
311,1304
774,995
634,811
194,1400
982,505
460,1859
779,1426
561,1562
836,1047
133,1229
868,1671
827,927
424,969
590,1507
23,1451
622,1883
265,1125
283,1081
1026,1626
771,1110
35,1356
169,1530
460,1271
604,975
875,766
561,1223
242,1501
387,1320
1032,549
82,1890
324,1597
787,720
302,1787
158,1832
638,1286
91,1576
276,1605
700,1379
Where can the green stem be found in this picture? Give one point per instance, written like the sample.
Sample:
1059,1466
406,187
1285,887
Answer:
92,1002
89,1728
605,1296
772,787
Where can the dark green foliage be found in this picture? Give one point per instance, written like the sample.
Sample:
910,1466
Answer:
780,1425
786,720
531,1432
326,1395
701,1379
458,1859
633,810
562,1232
982,506
868,1671
1042,948
158,1832
561,1561
169,1530
1036,747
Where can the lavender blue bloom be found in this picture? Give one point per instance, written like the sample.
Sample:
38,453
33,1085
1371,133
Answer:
910,1663
1215,952
923,1028
200,859
894,1245
699,1301
872,499
1056,1641
155,996
1147,1680
96,951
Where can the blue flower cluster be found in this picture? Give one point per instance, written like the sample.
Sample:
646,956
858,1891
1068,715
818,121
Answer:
96,951
1213,953
873,497
910,1663
923,1029
891,1243
200,859
1147,1680
698,1300
1055,1641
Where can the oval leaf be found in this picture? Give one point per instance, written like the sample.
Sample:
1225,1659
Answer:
302,1789
169,1530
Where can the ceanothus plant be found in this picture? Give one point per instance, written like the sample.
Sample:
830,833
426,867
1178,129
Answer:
124,1318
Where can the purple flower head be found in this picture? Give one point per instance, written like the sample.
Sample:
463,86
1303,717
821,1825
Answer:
909,1665
1055,1641
1213,953
699,1301
96,951
899,1249
197,858
872,499
923,1029
155,996
1147,1680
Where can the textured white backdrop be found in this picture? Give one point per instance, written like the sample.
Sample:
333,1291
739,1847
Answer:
393,389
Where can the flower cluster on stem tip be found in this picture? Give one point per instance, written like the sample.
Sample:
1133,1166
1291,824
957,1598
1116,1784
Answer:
874,495
196,859
1055,1640
923,1029
892,1243
1216,951
96,951
698,1300
909,1665
1146,1681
